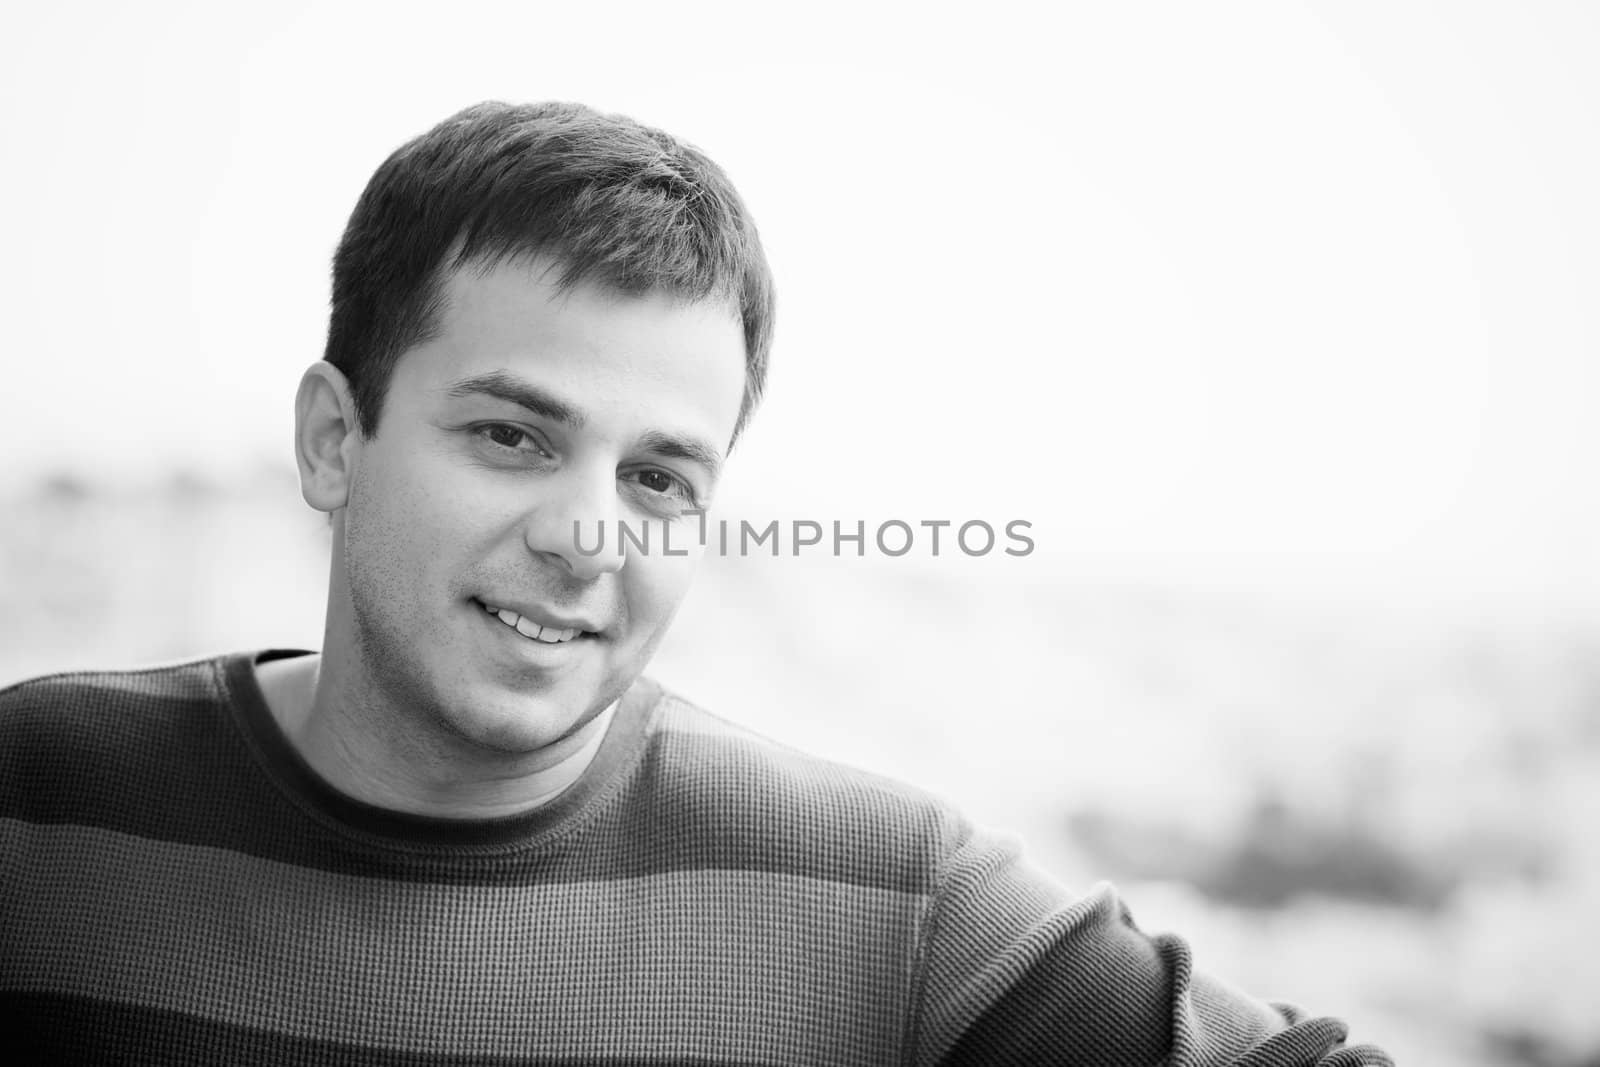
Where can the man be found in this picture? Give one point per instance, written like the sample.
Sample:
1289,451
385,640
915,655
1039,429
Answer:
470,830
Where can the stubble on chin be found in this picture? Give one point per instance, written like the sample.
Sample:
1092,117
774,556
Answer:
418,708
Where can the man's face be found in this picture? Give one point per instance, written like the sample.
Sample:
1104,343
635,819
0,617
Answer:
457,577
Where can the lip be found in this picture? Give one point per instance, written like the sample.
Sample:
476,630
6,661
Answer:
528,649
534,613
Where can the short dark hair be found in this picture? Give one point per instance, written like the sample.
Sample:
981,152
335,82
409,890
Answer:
608,198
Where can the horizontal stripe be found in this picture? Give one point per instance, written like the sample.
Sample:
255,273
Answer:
668,817
47,1028
114,757
709,964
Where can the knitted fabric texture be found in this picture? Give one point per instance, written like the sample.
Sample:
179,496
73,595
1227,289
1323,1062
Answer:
177,886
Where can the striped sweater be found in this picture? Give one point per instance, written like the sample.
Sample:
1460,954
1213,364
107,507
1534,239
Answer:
177,886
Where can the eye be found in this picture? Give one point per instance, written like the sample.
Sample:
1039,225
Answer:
657,481
509,437
662,489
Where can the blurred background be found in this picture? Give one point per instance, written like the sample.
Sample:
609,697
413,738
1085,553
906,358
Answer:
1276,321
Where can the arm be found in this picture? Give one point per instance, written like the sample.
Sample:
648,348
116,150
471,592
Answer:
1015,971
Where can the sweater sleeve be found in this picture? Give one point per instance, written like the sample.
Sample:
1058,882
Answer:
1015,971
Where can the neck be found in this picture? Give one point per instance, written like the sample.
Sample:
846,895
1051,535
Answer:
367,753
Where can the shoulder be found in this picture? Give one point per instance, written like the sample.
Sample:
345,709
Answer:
106,699
80,726
792,810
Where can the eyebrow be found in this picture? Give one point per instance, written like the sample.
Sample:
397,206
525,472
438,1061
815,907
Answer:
514,390
508,387
685,448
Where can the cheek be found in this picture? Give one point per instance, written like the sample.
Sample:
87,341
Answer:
399,529
655,588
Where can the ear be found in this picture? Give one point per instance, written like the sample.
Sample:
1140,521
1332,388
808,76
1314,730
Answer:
325,436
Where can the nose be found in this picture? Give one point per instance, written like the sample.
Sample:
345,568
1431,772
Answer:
574,523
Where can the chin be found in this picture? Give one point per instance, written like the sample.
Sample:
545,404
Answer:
519,730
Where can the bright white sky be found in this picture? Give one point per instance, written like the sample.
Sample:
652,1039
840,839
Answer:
1198,289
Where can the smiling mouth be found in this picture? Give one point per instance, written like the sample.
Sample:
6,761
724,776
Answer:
531,630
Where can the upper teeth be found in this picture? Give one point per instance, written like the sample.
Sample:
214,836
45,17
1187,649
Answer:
529,628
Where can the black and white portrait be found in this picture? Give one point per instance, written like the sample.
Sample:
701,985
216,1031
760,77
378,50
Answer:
861,534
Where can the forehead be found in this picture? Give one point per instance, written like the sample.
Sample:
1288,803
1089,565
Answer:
620,358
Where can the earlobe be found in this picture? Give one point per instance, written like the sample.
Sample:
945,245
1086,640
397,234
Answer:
324,436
